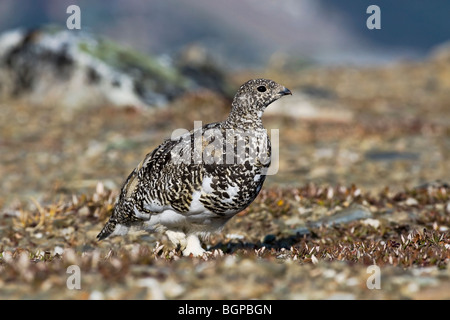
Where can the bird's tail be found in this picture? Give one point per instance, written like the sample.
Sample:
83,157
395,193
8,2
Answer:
109,228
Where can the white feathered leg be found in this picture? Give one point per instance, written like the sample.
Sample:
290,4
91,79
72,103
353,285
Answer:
193,246
177,238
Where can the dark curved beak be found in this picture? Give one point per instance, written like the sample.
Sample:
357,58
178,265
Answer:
285,91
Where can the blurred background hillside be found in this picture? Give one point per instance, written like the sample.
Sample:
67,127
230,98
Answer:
246,33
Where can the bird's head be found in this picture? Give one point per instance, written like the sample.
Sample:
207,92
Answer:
255,95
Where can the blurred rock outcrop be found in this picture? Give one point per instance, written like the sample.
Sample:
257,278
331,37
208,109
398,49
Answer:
200,66
76,69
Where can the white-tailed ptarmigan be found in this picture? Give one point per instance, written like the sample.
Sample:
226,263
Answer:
193,184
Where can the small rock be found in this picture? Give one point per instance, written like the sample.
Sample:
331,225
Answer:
294,220
270,238
96,295
352,213
233,236
308,107
371,222
301,231
58,251
411,202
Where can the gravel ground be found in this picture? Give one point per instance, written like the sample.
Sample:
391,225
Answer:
361,182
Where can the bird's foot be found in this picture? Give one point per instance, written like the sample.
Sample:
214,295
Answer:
177,238
193,246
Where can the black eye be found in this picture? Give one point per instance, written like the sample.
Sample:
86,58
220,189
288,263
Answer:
261,89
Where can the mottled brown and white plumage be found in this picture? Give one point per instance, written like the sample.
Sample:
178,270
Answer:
193,184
